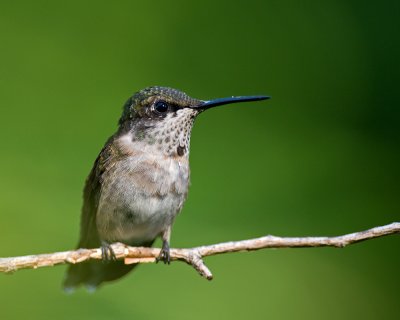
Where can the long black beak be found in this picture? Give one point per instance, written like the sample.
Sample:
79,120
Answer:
222,101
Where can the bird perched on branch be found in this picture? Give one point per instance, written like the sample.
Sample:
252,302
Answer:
139,181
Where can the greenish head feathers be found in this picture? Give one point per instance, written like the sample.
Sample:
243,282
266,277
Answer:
144,103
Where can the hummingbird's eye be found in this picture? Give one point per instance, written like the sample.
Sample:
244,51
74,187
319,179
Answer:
161,106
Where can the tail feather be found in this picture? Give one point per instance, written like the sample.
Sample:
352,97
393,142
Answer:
93,273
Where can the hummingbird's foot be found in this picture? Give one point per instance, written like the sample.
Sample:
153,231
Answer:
107,253
164,253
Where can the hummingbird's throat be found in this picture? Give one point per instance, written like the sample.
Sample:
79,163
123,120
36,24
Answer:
171,135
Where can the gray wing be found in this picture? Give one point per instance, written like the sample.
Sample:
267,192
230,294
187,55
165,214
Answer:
89,237
93,273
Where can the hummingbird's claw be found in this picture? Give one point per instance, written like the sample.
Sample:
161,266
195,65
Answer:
164,254
107,253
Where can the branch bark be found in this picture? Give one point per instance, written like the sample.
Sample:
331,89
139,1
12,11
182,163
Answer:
192,256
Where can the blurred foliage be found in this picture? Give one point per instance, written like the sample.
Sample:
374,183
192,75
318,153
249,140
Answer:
321,158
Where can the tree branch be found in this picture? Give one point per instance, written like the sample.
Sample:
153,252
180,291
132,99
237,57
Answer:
193,256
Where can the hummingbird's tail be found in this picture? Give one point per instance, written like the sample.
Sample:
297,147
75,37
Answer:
93,273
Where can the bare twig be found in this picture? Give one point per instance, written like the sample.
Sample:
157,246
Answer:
192,256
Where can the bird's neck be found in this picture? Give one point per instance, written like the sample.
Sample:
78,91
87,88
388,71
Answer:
169,137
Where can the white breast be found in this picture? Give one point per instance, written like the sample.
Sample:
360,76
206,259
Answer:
141,194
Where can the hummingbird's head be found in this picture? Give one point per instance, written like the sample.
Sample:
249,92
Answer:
165,116
153,105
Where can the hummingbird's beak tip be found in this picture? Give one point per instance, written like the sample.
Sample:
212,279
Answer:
261,98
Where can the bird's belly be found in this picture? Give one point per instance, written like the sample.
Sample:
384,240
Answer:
140,221
136,205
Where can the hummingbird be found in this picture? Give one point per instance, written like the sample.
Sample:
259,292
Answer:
140,180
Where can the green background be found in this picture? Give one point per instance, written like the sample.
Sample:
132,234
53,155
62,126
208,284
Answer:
320,158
